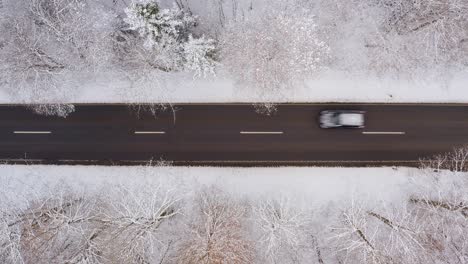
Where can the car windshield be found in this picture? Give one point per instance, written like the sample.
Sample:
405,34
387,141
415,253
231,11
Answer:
331,118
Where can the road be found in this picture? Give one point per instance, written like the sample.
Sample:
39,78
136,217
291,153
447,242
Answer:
204,134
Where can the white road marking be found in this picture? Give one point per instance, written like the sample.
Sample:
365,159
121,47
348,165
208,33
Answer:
32,132
261,132
382,133
149,132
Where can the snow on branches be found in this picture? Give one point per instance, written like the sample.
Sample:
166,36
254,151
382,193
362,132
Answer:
198,53
167,33
441,25
217,232
160,27
47,44
283,229
274,51
124,226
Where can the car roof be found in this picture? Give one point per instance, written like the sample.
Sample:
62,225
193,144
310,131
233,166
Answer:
351,119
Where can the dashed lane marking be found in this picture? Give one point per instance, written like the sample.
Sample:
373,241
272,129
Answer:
149,132
32,132
382,133
262,132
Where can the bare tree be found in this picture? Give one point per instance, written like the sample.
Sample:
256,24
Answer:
455,161
284,229
415,34
401,232
440,193
354,237
134,223
58,230
47,44
136,64
441,25
403,38
382,235
217,234
435,163
10,248
412,232
270,54
128,224
445,231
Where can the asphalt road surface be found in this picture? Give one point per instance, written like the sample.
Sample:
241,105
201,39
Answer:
217,134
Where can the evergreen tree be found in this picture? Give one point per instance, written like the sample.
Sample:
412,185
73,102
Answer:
168,33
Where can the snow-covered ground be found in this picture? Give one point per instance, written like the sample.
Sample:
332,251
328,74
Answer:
332,87
320,185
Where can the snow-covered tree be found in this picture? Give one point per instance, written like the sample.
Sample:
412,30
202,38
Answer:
455,161
440,192
136,222
429,227
353,238
283,230
168,40
273,52
401,38
10,247
411,232
217,233
126,225
440,26
59,228
198,55
46,45
160,27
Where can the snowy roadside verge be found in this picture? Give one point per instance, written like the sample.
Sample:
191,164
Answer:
319,184
329,87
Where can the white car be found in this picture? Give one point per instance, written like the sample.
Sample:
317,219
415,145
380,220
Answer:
342,118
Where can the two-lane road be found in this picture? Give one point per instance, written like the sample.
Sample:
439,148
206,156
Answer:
232,134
